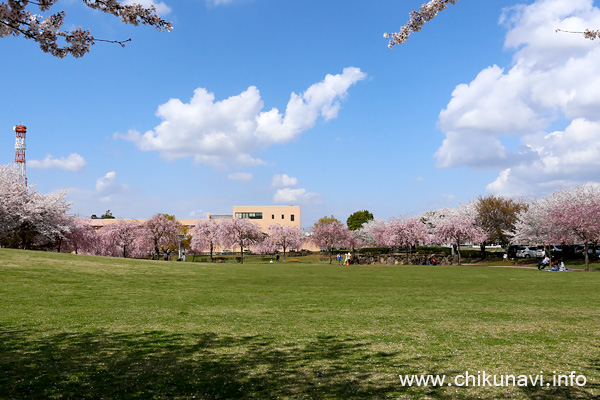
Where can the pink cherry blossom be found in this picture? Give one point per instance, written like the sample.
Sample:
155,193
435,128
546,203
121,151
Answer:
205,236
120,238
330,235
241,233
417,19
457,226
285,237
162,232
574,215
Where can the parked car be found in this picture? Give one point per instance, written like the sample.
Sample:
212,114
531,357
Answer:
578,249
531,252
555,248
247,251
226,251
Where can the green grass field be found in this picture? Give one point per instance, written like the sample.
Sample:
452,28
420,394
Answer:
79,327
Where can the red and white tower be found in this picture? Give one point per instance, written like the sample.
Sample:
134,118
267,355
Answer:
20,130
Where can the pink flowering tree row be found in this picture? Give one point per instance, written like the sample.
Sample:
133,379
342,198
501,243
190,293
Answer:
567,216
448,226
243,234
155,237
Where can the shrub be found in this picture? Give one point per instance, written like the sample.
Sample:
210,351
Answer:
434,250
374,250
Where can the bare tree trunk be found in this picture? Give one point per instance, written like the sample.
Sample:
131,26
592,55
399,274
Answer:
587,259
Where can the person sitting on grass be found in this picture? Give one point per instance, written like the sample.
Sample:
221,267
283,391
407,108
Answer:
561,266
545,262
555,266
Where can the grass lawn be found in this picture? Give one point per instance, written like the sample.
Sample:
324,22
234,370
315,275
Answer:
79,327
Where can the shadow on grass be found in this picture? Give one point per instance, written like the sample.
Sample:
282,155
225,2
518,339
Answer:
156,365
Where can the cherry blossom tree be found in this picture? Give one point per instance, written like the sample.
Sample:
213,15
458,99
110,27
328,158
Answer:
17,18
120,237
286,237
205,236
330,235
457,226
161,230
12,195
574,215
533,223
81,237
372,233
265,246
405,232
28,217
46,216
239,232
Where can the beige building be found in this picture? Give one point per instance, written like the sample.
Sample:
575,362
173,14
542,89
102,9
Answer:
263,216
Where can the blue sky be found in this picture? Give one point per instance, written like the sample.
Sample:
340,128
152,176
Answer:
270,102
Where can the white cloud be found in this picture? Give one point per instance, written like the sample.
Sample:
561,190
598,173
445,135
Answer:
197,214
161,8
295,196
230,131
219,2
107,188
555,78
73,162
240,176
283,180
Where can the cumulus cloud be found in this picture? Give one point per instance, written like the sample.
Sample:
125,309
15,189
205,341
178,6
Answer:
554,79
285,193
295,196
106,187
230,131
240,176
283,180
73,162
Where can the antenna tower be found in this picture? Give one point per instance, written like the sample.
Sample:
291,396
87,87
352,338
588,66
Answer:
20,131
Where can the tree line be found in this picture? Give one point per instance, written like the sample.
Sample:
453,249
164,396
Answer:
30,219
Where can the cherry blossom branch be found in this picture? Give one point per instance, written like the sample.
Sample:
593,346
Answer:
588,33
16,19
417,19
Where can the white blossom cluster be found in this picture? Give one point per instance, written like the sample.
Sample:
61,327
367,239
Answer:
17,19
417,19
591,34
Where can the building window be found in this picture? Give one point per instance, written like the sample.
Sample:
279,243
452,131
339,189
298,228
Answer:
292,217
282,216
272,216
248,215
